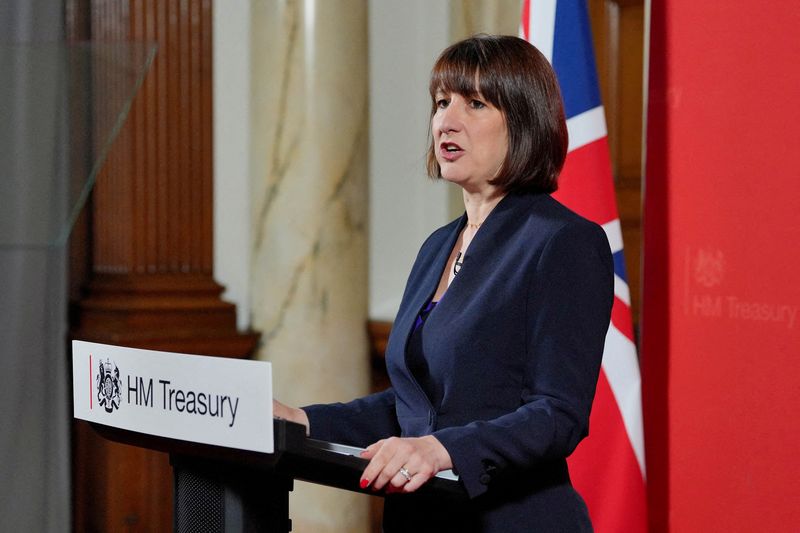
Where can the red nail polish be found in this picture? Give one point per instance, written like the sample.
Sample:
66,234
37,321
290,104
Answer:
364,483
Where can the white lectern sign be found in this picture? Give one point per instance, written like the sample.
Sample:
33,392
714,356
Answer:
213,400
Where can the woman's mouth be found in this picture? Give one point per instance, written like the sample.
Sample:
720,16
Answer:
450,151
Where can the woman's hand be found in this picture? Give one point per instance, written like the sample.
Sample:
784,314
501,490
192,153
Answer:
403,464
292,414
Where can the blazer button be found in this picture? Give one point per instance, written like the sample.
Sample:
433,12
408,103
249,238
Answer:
485,479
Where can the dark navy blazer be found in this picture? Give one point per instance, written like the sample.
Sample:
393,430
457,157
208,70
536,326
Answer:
514,346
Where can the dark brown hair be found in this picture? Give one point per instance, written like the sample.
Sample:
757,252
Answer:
517,79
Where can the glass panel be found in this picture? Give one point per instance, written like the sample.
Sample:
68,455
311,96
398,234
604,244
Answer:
61,106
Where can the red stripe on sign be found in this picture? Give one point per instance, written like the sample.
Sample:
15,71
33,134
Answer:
586,186
605,459
90,382
621,318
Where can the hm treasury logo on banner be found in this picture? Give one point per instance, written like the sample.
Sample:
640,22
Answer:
108,385
211,400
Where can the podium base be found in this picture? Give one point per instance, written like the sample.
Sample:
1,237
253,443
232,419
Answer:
213,498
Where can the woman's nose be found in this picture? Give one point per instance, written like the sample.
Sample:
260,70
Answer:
450,119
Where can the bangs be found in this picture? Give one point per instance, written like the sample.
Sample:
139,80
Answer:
459,72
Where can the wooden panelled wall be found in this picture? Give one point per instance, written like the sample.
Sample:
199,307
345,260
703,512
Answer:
142,255
618,28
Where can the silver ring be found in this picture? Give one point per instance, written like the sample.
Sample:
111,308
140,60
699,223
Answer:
403,472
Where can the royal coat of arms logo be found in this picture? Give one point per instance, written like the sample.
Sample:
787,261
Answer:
107,383
709,267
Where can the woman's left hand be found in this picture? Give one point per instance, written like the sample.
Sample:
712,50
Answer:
404,464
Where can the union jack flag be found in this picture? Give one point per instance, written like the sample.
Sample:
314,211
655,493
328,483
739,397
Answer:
608,467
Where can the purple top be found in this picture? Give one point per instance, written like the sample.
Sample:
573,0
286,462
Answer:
415,355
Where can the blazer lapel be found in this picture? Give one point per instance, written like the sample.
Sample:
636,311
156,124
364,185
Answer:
426,287
423,288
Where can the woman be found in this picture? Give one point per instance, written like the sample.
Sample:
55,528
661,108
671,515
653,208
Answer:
496,348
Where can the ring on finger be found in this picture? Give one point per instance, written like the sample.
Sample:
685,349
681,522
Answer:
403,472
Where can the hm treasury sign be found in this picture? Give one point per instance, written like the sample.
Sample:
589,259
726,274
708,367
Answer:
212,400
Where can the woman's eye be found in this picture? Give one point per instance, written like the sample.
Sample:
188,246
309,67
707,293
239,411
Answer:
477,104
441,103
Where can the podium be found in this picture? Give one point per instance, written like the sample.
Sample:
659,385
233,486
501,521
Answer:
233,472
224,489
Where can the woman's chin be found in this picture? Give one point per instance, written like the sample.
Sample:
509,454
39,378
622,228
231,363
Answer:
454,177
468,183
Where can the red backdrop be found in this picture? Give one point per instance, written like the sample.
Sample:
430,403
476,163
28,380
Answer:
721,297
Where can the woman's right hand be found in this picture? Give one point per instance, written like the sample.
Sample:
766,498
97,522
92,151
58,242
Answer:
292,414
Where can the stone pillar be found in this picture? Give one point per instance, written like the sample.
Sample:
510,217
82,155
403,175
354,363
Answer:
309,214
468,17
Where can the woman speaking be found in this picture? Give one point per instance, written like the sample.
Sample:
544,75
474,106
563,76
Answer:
496,348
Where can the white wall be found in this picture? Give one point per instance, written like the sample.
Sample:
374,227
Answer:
405,206
231,86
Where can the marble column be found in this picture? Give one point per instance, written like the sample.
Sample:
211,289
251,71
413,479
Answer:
468,17
308,166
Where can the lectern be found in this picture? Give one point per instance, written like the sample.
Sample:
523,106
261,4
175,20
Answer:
234,466
224,489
